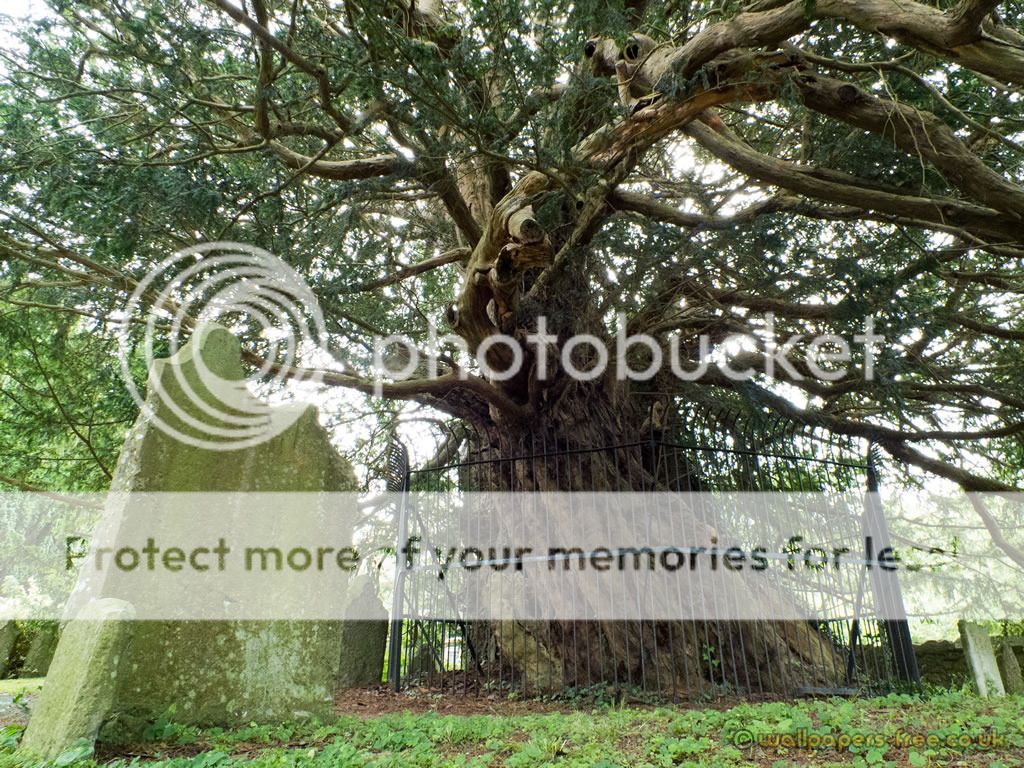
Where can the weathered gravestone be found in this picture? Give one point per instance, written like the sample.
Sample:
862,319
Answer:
224,671
79,689
981,659
41,650
1013,682
8,639
363,637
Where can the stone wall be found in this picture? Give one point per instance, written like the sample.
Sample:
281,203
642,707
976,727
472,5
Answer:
943,663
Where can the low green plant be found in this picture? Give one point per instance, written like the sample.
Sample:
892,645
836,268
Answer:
596,735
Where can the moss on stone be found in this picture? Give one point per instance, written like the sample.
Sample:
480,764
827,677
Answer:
80,687
226,672
364,636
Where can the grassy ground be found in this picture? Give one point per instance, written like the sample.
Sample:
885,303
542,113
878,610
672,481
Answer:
14,687
962,730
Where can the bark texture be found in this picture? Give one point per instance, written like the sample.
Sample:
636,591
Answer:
592,444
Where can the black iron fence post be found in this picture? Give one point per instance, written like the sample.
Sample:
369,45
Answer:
398,483
885,586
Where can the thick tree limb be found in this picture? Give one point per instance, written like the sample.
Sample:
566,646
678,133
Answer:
738,298
658,211
966,480
989,225
69,498
441,182
1014,552
301,62
966,20
489,285
449,257
893,441
914,131
995,51
896,66
342,170
989,330
261,98
433,391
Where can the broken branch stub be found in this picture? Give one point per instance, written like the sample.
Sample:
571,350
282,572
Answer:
602,53
523,227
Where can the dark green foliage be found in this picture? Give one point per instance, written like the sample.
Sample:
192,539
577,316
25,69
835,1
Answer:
128,130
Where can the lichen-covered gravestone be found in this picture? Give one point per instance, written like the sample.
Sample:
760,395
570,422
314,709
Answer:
79,690
981,659
363,637
214,671
41,650
1010,667
8,638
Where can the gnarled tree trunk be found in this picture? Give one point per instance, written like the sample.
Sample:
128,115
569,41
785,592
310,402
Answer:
590,442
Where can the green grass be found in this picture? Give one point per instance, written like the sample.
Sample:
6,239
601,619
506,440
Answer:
27,685
601,738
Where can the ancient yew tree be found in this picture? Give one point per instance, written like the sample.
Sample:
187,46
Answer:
688,169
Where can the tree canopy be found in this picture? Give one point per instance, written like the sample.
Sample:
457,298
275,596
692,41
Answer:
481,163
